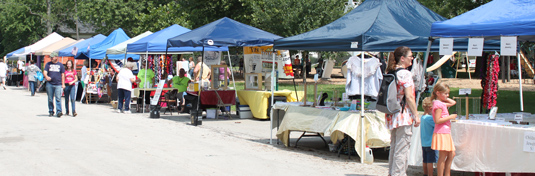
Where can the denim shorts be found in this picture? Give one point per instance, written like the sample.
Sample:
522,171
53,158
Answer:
429,155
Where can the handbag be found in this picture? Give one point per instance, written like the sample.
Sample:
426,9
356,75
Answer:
39,76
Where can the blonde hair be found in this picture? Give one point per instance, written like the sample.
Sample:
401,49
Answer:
427,103
439,87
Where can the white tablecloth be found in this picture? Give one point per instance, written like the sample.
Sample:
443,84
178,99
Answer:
484,148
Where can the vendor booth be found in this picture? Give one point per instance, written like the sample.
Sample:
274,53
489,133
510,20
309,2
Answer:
223,33
487,142
375,25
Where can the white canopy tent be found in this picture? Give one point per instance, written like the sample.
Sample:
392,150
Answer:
44,42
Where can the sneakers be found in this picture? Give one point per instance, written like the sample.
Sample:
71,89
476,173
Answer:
59,114
127,112
50,114
119,110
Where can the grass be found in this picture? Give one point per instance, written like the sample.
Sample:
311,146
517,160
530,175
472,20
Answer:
508,101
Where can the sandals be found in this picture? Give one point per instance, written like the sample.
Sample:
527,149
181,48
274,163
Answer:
74,114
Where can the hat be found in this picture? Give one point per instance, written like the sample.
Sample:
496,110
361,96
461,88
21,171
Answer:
130,59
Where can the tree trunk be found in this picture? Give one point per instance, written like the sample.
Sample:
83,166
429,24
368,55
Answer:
48,25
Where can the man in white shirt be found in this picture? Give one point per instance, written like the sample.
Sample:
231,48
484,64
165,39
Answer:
20,65
3,73
125,78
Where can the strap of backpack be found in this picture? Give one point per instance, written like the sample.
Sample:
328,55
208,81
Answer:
403,101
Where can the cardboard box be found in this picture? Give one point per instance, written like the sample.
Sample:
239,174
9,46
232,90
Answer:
114,104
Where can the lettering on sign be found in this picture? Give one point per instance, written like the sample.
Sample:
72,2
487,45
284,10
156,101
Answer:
529,142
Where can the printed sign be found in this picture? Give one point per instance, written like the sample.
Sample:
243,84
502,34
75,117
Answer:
508,46
259,59
156,97
519,117
475,46
446,46
212,57
529,142
354,44
465,91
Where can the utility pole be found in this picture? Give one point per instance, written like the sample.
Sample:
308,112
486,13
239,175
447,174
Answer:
48,11
76,19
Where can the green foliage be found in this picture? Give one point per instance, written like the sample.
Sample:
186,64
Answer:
108,15
205,11
291,17
160,17
452,8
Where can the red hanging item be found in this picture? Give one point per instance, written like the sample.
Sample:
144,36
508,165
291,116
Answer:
491,86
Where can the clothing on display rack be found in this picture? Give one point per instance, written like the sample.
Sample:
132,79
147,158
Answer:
372,76
417,71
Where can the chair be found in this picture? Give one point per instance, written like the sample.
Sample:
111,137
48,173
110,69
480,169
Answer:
221,104
170,99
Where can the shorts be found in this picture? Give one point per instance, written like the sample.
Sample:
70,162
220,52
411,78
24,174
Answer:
2,79
429,155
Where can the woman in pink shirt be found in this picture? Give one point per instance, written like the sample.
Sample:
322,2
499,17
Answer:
442,140
70,87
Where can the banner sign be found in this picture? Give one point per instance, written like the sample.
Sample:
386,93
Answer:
475,46
446,46
259,59
508,46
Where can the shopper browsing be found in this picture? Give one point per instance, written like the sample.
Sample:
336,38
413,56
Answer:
55,76
125,78
400,123
71,78
442,140
427,126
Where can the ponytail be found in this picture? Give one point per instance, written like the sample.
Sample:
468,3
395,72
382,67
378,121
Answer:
395,57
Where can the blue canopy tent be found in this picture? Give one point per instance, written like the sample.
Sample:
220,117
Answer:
98,51
491,21
223,33
156,43
20,50
80,45
377,25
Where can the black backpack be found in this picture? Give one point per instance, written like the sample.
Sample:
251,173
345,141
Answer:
387,101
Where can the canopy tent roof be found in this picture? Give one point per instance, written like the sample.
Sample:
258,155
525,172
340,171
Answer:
9,55
494,19
51,38
55,52
98,51
81,45
55,46
156,43
121,47
222,33
377,25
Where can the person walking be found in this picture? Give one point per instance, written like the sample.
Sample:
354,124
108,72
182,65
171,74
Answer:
55,76
3,73
71,80
125,78
32,70
191,66
400,123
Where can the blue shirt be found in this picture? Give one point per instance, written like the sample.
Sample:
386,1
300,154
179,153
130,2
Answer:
427,125
54,71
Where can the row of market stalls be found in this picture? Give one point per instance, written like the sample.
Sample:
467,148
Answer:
375,25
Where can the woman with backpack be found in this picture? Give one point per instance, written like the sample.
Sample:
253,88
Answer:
32,70
400,123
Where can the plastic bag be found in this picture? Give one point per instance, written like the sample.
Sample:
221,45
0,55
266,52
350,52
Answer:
39,76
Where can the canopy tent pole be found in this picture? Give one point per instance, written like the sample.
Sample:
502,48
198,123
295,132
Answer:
144,85
424,69
362,142
231,70
520,81
272,99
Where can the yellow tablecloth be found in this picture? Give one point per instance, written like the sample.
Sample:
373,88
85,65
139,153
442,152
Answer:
258,100
335,124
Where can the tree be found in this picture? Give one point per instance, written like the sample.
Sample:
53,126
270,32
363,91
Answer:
452,8
160,17
206,11
291,17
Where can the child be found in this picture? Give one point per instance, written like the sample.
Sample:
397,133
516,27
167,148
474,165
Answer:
427,126
442,140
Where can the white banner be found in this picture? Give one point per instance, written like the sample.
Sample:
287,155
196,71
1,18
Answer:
508,46
475,46
446,46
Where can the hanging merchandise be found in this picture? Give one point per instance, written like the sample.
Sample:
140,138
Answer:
372,76
491,84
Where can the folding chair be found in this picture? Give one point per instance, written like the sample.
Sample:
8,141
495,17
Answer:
221,104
